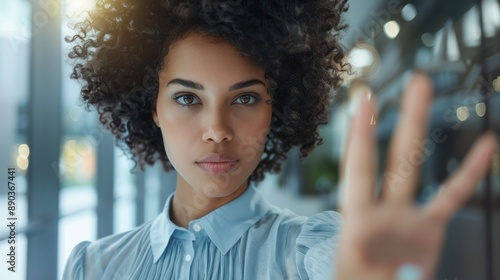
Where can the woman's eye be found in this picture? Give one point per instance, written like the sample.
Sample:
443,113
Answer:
185,100
247,99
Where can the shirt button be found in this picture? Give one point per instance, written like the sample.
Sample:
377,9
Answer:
187,258
197,227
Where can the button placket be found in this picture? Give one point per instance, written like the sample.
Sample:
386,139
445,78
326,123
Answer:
188,258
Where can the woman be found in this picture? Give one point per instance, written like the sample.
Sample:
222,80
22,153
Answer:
220,91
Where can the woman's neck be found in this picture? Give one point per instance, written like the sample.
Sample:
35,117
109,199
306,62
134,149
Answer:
188,204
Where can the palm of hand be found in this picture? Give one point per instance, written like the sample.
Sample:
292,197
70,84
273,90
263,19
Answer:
378,243
381,235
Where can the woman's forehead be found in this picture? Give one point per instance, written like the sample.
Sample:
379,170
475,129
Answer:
202,58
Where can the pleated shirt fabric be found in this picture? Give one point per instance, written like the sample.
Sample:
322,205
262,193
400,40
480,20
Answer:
247,238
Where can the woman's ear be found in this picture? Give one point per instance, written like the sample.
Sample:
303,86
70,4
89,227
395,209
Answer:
155,115
155,118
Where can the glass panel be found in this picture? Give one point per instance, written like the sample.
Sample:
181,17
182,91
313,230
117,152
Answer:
77,165
124,210
15,35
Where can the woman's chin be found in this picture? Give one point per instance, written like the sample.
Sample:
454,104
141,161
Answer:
214,190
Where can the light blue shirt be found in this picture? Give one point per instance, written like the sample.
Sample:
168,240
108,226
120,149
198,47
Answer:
247,238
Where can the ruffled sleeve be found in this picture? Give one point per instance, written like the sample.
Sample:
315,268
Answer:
317,244
75,266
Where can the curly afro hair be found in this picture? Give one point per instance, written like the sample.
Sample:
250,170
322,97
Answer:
119,48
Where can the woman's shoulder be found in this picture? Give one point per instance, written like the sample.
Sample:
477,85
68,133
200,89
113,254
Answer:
75,265
317,229
310,242
307,232
92,257
316,245
120,241
326,221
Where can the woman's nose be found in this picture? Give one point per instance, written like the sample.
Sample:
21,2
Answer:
217,128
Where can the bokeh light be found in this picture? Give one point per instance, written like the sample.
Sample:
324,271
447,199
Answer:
74,8
481,109
463,113
409,12
391,29
24,150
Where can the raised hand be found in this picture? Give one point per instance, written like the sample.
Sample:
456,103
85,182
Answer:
381,235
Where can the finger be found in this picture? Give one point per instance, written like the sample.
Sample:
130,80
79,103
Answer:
358,89
353,106
342,180
405,153
359,178
460,185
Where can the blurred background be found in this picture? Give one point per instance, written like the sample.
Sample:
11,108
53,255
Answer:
73,184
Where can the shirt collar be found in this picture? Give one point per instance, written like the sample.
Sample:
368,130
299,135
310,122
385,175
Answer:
224,226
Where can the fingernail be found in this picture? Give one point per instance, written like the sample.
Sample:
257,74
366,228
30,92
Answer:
358,95
409,272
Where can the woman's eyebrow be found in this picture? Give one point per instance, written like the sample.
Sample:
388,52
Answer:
195,85
186,83
245,84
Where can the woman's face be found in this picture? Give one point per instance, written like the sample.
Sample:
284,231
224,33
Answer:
212,101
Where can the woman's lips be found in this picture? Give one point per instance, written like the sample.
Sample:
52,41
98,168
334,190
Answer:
217,167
